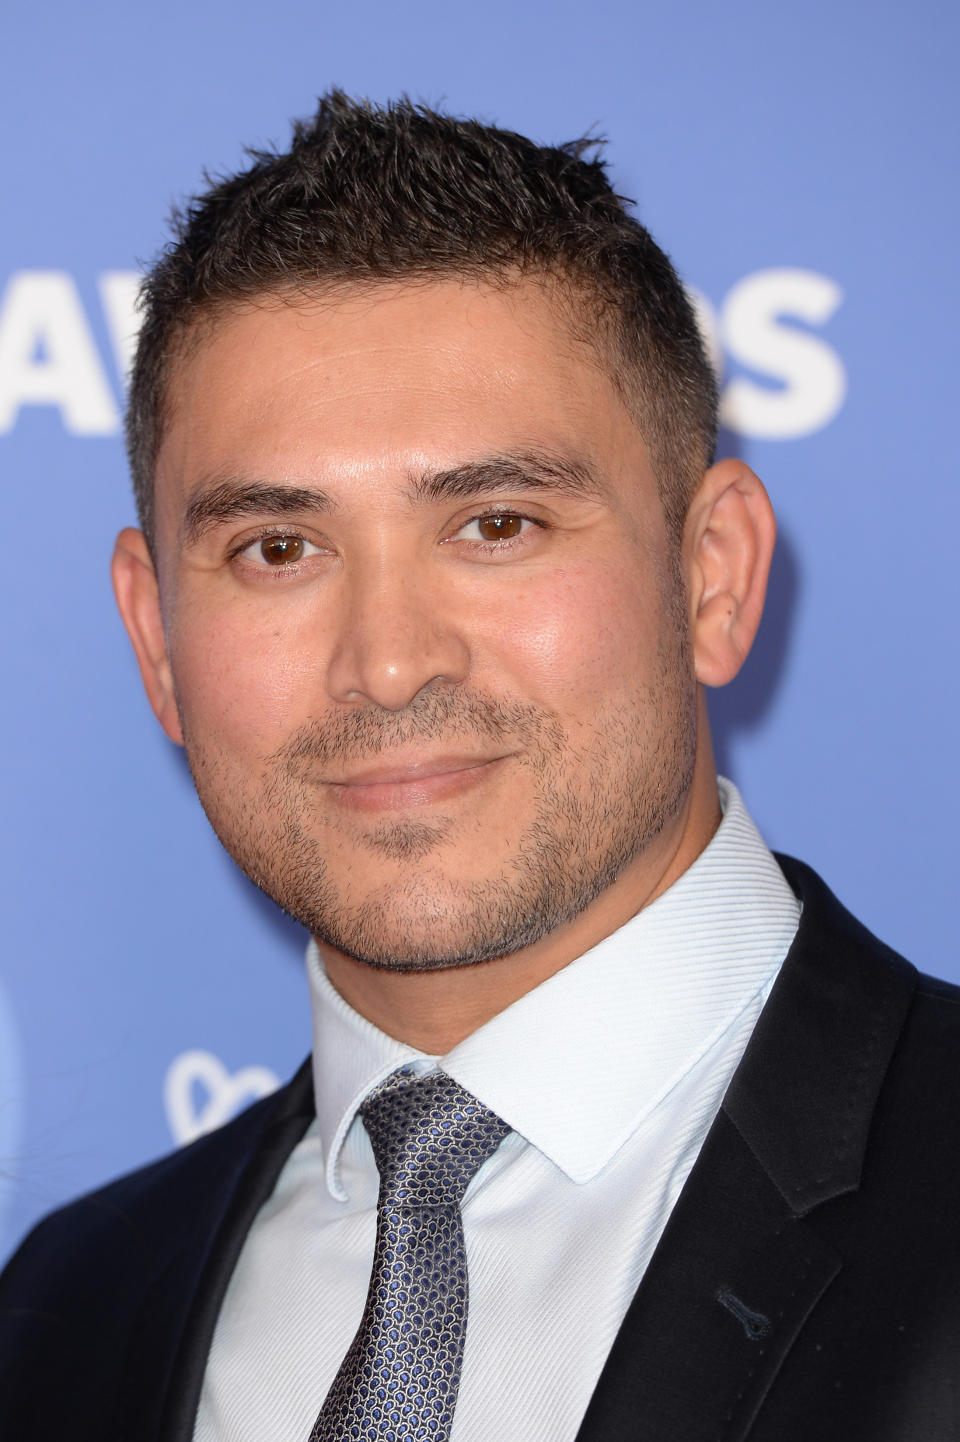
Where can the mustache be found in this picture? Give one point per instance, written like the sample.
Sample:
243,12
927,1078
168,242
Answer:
371,731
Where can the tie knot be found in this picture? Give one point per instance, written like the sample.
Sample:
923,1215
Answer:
429,1138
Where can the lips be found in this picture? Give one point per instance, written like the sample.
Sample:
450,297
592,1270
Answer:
393,787
421,770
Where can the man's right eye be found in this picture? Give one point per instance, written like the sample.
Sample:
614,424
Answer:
279,550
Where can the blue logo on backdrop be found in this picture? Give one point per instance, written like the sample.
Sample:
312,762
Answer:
11,1104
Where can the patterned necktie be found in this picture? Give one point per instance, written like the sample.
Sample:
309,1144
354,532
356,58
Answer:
400,1377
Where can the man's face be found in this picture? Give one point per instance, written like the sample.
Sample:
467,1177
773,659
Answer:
426,630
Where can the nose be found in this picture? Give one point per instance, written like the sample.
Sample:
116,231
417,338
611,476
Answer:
396,635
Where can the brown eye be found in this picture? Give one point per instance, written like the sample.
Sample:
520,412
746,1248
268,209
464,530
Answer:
499,528
281,550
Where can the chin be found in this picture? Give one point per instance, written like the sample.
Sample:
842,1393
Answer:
420,927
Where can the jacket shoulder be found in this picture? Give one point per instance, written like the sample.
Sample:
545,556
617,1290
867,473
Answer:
940,993
836,929
100,1295
130,1226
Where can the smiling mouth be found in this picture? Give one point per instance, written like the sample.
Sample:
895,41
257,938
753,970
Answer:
417,783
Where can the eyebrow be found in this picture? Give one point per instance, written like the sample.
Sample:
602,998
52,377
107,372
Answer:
511,471
232,499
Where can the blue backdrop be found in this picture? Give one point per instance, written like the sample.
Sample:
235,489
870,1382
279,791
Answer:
799,165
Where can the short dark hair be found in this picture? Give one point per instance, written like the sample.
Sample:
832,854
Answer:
368,193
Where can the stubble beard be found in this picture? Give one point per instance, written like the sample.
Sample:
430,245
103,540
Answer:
595,810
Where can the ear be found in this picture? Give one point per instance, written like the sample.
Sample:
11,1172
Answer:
138,598
728,546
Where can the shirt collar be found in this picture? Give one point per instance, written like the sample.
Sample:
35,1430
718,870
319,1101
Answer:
577,1064
350,1057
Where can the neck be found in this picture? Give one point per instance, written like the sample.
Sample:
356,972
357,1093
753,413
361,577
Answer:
434,1010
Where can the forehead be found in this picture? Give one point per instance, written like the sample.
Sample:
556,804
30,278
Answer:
383,380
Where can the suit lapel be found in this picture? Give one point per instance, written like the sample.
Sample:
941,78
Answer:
739,1267
730,1285
171,1336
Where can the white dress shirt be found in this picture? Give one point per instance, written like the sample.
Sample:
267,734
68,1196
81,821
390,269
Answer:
609,1074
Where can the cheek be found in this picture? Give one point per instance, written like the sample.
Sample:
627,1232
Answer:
583,635
243,679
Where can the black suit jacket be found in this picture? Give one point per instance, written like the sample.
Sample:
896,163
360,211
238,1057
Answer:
806,1289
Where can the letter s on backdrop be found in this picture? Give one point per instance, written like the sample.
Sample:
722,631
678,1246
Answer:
813,380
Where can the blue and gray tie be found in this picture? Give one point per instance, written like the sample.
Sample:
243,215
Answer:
400,1377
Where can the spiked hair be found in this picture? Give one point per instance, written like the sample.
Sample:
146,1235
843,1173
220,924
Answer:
367,193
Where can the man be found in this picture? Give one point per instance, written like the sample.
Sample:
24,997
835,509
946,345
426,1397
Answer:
435,565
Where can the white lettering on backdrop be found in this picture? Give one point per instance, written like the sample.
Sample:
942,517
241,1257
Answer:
200,1094
810,383
48,354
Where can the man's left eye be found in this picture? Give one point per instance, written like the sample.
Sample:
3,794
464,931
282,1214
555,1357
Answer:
497,526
